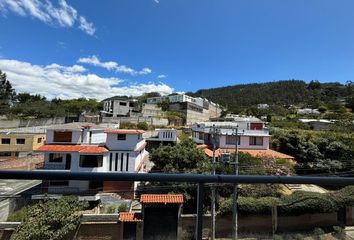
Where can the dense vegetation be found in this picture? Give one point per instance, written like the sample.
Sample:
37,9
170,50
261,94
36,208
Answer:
317,152
297,203
25,105
52,219
280,94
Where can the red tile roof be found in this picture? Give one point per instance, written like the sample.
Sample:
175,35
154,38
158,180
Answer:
269,153
124,131
72,148
161,198
265,153
130,217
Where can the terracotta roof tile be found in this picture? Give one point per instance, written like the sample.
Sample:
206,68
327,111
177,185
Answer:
269,153
266,153
72,148
130,217
162,198
124,131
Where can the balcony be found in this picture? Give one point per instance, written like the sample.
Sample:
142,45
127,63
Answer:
115,216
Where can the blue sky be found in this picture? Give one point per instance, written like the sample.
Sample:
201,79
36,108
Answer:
103,48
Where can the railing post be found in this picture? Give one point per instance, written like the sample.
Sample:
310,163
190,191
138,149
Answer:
199,223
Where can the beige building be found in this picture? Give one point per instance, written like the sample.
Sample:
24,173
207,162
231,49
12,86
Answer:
20,142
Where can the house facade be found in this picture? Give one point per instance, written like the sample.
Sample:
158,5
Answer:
252,137
251,134
194,109
89,149
20,142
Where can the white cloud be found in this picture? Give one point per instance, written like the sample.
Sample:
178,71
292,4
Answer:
55,80
86,26
162,76
145,71
62,15
156,1
113,66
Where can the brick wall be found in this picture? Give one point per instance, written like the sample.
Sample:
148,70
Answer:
23,163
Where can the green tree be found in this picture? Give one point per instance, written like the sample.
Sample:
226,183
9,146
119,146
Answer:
142,125
51,219
7,93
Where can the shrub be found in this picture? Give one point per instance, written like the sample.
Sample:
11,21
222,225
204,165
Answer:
298,236
339,232
306,202
18,216
277,237
111,209
123,207
250,205
127,125
318,231
142,126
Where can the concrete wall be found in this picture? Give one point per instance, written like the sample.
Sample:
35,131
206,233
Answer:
256,223
87,231
130,143
135,120
31,122
306,221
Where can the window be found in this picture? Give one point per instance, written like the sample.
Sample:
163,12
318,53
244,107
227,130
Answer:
201,136
127,163
122,103
5,154
230,140
56,157
68,161
60,136
39,140
256,126
256,141
121,161
122,137
20,141
5,141
91,161
110,161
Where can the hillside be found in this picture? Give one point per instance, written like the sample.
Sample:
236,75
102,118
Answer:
289,92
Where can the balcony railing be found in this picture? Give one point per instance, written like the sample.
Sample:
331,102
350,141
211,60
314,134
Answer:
199,179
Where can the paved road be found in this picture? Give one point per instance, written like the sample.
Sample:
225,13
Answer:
9,189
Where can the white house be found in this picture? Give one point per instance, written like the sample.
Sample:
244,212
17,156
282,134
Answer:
252,137
89,149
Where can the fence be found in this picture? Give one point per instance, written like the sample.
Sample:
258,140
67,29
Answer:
200,179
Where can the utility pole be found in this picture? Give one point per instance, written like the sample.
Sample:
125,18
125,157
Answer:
235,197
213,138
